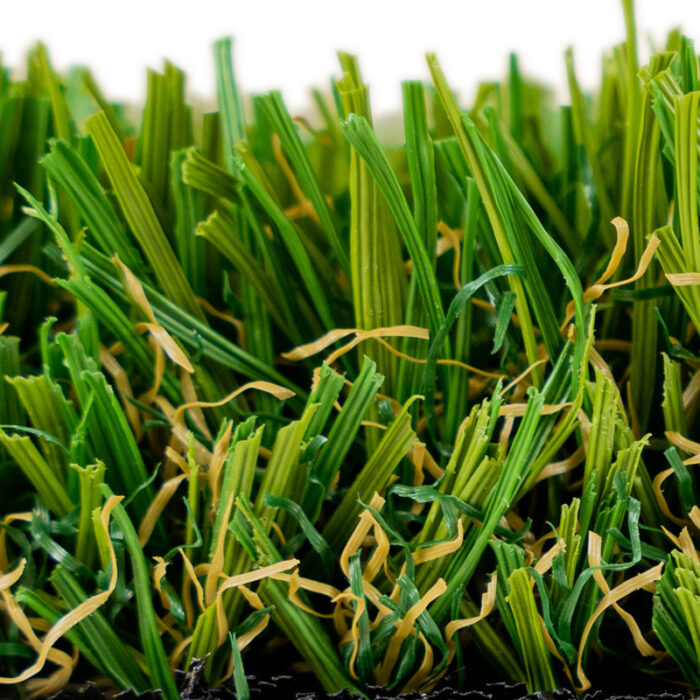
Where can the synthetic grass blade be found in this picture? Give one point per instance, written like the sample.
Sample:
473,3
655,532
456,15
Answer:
378,288
140,215
499,485
360,134
158,669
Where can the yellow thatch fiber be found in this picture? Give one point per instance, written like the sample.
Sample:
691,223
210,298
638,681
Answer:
448,239
45,647
349,606
488,601
297,583
594,560
406,627
610,598
695,516
685,444
157,332
683,279
443,549
224,316
176,418
279,392
301,352
189,394
190,578
379,334
599,287
562,466
243,580
216,465
684,542
121,380
157,506
9,269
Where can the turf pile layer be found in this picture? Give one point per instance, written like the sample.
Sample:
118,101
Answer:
280,394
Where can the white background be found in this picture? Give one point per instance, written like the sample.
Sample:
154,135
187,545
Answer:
291,44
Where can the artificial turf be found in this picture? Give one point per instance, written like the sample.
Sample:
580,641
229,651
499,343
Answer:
279,394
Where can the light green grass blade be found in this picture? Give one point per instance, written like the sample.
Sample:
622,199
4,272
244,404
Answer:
158,669
394,445
140,215
361,136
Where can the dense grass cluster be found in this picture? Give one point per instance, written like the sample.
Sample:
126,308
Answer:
270,387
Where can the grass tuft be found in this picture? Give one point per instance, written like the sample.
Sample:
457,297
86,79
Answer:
279,394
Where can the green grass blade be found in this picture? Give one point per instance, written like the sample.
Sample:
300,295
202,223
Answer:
47,483
536,657
362,137
342,435
273,107
376,265
140,215
69,170
158,668
394,445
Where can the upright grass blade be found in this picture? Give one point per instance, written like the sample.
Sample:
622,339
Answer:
646,216
59,106
674,262
535,186
632,90
373,476
91,479
303,629
51,414
686,151
292,241
284,476
159,671
421,162
230,100
459,300
49,485
275,112
72,173
675,614
361,136
500,215
189,211
233,125
202,174
120,441
152,145
521,601
376,266
341,436
236,482
420,155
219,231
140,215
165,127
11,411
584,142
459,380
462,567
680,253
674,412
